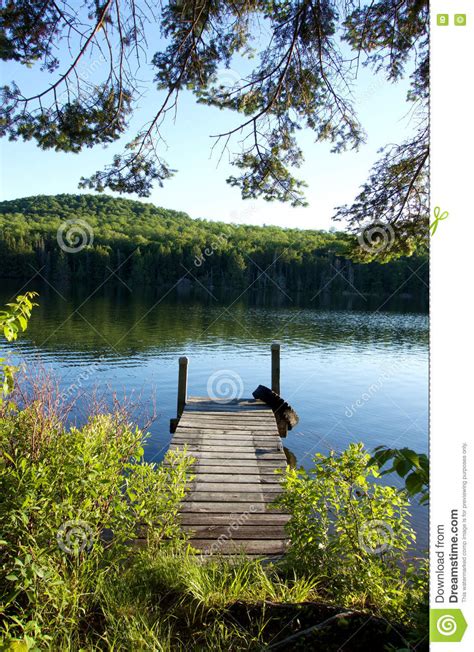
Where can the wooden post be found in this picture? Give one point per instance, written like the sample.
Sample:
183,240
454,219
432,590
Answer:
276,368
182,385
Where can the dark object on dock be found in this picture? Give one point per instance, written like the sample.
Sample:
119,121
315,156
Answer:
285,416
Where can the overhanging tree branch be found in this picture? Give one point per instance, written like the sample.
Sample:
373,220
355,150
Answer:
302,79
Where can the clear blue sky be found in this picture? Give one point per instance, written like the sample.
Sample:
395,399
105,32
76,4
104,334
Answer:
199,187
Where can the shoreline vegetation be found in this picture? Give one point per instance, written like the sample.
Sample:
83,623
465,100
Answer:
349,580
147,247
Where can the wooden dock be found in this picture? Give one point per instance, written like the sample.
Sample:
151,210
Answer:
237,450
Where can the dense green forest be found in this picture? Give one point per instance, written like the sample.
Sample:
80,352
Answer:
90,238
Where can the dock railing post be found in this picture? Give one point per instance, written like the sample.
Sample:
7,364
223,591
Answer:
182,385
276,367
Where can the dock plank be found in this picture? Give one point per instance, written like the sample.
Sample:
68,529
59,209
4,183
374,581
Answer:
236,546
273,532
225,488
234,427
222,439
225,447
219,456
244,478
262,466
239,508
260,496
233,519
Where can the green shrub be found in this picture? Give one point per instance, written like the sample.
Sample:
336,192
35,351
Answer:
405,462
352,533
71,502
12,320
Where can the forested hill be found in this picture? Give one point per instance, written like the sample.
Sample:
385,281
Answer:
81,238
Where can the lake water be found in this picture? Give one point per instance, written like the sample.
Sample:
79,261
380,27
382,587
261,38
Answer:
351,374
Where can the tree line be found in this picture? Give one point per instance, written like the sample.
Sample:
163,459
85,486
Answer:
87,239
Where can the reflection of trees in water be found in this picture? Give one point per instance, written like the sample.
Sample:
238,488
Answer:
142,320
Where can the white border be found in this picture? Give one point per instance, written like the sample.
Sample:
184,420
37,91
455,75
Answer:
452,327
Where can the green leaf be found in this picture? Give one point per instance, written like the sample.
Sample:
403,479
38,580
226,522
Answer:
411,455
402,466
413,483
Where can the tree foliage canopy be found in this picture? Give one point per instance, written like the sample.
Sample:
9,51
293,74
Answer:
309,53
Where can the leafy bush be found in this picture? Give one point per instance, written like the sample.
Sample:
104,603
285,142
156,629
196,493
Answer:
352,533
71,502
413,467
12,320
